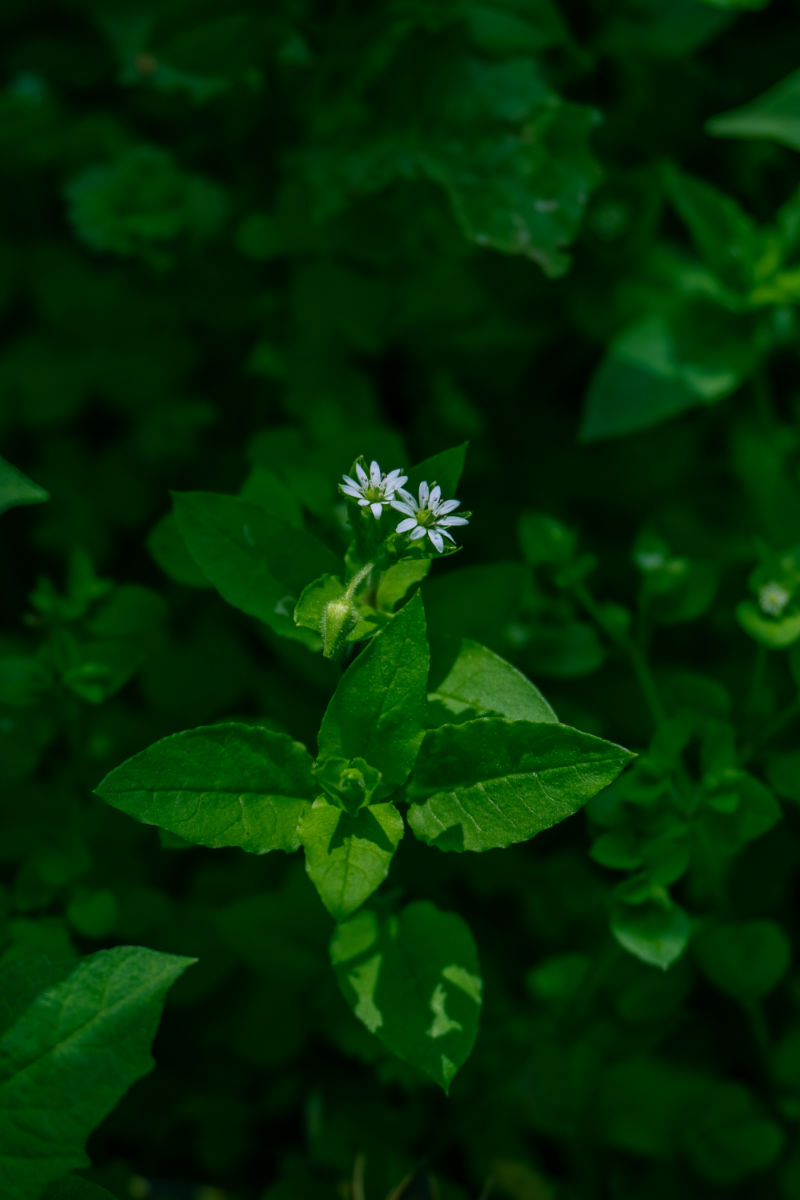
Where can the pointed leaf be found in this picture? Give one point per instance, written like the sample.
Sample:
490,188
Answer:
489,783
480,681
219,785
774,115
16,488
69,1058
257,562
348,857
413,979
378,710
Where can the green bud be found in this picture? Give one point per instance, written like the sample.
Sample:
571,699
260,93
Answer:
338,619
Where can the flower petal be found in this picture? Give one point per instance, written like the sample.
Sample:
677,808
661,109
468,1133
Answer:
436,538
404,507
363,477
435,497
363,503
445,521
404,526
448,506
424,493
419,532
449,536
374,473
351,490
377,509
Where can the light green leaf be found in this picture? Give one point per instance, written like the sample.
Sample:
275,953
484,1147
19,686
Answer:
657,934
220,785
413,979
69,1058
774,632
312,612
398,580
16,488
774,115
348,856
747,959
256,562
481,682
490,783
378,710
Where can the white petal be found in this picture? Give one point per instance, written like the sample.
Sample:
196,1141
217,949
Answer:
404,507
424,492
374,473
362,474
351,490
449,536
404,526
406,497
436,538
435,497
449,506
419,532
377,509
445,521
363,503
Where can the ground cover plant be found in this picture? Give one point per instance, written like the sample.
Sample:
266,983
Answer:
400,639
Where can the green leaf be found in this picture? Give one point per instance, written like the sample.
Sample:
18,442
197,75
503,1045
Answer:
481,682
777,633
69,1058
656,933
220,785
490,783
725,236
774,115
727,1136
348,856
264,488
397,581
413,979
256,562
747,959
16,488
169,550
444,468
378,710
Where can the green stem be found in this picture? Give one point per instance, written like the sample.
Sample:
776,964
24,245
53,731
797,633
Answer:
357,580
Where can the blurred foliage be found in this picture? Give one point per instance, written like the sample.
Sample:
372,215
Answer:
240,248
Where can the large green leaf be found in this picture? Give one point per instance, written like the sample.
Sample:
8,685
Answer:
16,488
256,561
489,783
70,1056
480,682
378,710
774,115
348,856
220,785
413,979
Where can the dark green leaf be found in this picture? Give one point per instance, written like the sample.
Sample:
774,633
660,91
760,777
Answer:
413,979
489,783
69,1058
220,785
747,959
378,710
16,488
656,933
348,856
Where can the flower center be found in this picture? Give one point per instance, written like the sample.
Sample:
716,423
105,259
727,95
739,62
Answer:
374,493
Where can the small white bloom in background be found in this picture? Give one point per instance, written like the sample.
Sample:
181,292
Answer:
430,515
374,490
773,598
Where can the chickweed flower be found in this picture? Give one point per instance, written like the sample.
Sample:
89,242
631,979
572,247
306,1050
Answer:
374,490
428,515
773,598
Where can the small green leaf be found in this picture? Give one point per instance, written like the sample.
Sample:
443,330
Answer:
256,562
220,785
413,979
378,710
490,783
747,959
656,933
481,682
725,236
69,1058
348,856
16,488
774,115
774,632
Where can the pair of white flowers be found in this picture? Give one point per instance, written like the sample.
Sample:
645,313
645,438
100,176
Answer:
427,515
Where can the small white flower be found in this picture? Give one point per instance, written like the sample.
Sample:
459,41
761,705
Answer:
773,598
430,515
373,490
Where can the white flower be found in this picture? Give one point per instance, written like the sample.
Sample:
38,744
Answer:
429,515
773,598
375,490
